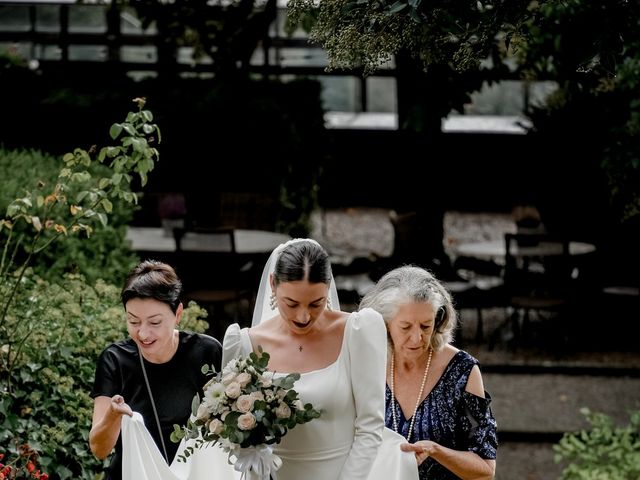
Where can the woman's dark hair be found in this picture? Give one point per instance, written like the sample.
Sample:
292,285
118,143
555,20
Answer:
303,260
153,279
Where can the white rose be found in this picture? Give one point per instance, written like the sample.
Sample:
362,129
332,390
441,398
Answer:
233,390
228,378
283,411
215,426
298,405
243,379
244,403
246,421
257,395
203,412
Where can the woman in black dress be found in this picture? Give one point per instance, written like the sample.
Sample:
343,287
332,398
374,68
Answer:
156,372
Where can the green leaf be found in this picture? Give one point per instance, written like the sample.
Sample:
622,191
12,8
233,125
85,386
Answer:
130,129
107,205
195,403
115,130
80,177
103,218
397,7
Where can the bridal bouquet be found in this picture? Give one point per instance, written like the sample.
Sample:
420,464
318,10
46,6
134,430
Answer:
245,410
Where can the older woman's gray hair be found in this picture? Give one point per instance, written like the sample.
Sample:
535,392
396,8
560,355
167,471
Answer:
411,284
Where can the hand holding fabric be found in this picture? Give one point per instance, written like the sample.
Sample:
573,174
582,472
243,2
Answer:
422,449
118,405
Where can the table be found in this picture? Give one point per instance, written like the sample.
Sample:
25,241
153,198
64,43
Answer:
496,249
156,239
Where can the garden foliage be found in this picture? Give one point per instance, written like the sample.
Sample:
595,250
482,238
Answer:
54,325
602,452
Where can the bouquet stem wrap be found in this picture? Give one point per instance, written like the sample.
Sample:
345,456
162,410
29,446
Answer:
257,463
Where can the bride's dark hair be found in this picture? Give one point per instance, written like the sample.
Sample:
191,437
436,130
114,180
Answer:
303,260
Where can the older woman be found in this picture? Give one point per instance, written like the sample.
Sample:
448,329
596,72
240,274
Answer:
435,397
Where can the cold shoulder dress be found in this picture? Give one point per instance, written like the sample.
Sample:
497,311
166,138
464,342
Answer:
450,416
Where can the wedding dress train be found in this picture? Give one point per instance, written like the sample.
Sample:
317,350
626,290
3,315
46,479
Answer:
143,461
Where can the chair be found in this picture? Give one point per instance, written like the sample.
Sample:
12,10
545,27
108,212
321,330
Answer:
538,279
485,276
215,275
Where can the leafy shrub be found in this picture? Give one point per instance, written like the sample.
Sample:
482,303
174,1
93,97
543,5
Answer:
51,331
106,256
70,323
603,452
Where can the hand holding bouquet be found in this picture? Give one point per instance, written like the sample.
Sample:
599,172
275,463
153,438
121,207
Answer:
245,410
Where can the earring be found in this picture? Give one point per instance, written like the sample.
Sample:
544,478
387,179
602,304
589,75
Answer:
273,302
328,303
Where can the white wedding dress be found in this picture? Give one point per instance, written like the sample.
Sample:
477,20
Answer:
336,446
344,442
347,442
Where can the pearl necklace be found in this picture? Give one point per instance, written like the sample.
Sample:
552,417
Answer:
393,395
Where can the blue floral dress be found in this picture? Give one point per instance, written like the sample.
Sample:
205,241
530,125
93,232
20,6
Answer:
450,416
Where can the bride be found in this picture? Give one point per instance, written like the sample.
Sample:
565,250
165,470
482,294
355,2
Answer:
342,361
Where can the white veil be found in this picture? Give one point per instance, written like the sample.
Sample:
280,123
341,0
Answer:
262,309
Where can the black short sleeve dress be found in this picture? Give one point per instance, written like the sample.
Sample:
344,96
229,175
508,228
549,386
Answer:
173,384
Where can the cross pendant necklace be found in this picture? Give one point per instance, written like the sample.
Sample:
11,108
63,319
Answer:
300,347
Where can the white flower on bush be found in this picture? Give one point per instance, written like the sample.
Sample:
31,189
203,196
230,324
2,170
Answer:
244,403
283,410
243,379
233,390
215,426
246,421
